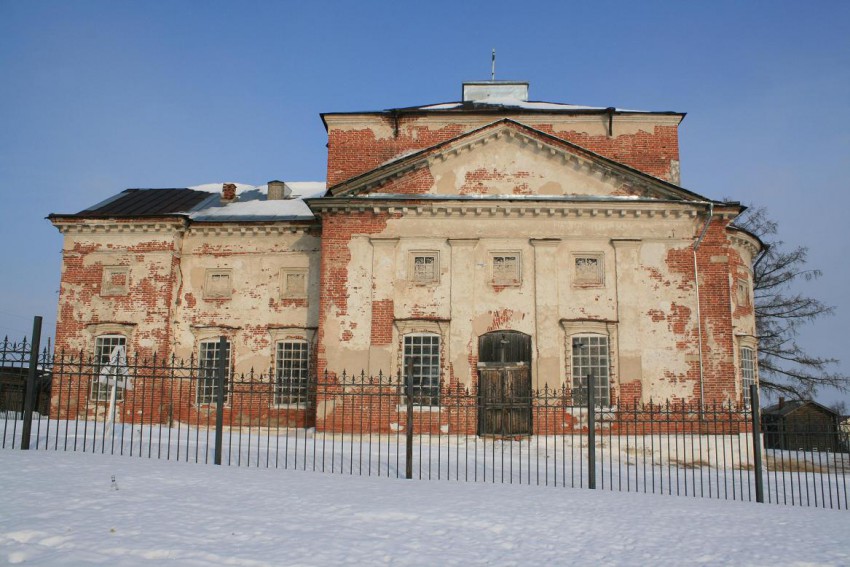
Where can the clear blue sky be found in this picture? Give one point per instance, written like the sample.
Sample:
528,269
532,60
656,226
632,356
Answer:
96,97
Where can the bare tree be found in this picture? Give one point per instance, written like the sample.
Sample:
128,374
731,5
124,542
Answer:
781,309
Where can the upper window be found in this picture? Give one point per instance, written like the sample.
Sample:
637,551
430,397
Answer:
218,284
742,293
109,353
291,372
506,268
748,373
591,362
421,367
424,267
588,270
115,280
293,282
208,356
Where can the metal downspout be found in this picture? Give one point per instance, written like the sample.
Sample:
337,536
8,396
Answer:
699,314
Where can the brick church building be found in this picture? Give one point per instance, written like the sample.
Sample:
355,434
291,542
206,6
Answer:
449,240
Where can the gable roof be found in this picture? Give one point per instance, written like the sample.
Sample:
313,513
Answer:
793,405
664,189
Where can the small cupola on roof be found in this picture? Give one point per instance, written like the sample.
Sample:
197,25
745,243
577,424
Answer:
278,190
495,91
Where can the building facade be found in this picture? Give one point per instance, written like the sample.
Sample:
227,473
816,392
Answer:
450,242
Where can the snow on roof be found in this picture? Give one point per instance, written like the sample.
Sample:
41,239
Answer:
253,204
525,105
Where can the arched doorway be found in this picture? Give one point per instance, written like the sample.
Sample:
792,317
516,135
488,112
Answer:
504,383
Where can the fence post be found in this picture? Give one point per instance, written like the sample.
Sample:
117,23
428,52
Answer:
29,393
754,407
408,394
591,432
219,397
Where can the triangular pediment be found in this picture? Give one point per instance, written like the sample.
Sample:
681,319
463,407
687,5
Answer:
505,159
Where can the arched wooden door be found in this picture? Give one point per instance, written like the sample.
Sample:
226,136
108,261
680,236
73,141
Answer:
504,383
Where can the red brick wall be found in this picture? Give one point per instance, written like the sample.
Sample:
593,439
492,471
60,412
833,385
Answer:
337,231
147,302
354,152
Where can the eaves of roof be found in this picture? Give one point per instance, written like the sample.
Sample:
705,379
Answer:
485,108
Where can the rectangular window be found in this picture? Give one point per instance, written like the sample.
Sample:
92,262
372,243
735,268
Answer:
588,270
291,372
421,367
293,282
591,361
506,269
748,374
115,280
218,284
742,293
109,352
424,267
208,357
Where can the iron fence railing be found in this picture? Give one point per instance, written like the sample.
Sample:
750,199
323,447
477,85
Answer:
377,425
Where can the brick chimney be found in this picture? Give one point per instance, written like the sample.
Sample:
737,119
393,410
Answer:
781,402
228,193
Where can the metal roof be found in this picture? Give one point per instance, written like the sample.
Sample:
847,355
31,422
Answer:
147,202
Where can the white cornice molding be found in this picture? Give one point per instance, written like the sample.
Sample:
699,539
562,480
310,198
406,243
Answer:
746,242
118,227
246,228
620,209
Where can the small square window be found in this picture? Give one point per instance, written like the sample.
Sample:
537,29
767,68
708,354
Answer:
506,268
116,280
587,270
293,282
424,267
218,284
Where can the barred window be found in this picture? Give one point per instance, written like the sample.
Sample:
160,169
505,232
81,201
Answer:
208,357
748,373
291,372
107,349
590,358
421,366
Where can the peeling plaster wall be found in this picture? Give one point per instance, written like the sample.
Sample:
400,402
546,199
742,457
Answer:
165,309
359,143
652,311
257,310
143,308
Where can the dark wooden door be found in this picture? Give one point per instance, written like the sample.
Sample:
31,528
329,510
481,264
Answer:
504,383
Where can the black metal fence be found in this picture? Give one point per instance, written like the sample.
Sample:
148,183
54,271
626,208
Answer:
378,425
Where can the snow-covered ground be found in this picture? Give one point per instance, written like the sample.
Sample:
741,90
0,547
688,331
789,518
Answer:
709,466
62,508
